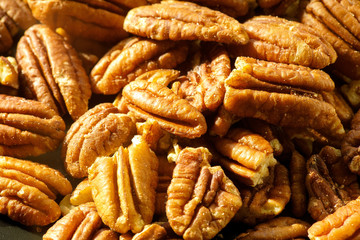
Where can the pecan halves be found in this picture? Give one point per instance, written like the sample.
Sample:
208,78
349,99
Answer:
329,182
28,191
19,12
28,128
97,20
201,199
52,72
150,100
280,40
249,155
177,20
132,57
98,132
294,102
344,223
123,187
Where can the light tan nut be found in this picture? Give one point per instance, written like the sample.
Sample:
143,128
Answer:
248,152
201,199
132,57
51,71
150,100
123,187
28,191
81,194
177,20
99,132
28,128
276,229
267,200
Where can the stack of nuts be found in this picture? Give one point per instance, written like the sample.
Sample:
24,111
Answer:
181,120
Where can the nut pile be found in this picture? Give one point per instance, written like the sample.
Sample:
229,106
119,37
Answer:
181,119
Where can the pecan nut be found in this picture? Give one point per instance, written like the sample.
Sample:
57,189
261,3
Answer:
177,20
51,71
350,145
285,8
28,128
350,92
123,187
9,80
7,29
29,190
201,199
81,193
98,132
152,231
150,100
132,57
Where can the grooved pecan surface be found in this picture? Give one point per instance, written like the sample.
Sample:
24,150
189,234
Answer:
177,20
19,12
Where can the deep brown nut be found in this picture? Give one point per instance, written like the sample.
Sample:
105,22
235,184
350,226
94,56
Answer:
285,8
344,223
150,100
82,222
132,57
280,40
123,186
249,155
51,71
204,85
9,78
28,128
329,182
201,199
99,132
282,94
280,228
267,200
28,191
98,20
177,20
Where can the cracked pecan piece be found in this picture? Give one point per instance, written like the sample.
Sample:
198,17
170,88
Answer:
28,191
152,231
249,155
123,186
97,20
279,40
81,194
201,199
9,78
52,72
28,128
151,100
282,96
132,57
342,224
265,201
177,20
277,228
329,182
99,132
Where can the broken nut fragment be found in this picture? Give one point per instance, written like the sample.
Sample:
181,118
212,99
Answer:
9,78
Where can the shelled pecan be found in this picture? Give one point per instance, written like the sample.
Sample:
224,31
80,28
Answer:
51,71
123,186
177,20
28,191
99,132
9,78
350,145
201,199
132,57
152,231
28,128
81,193
279,94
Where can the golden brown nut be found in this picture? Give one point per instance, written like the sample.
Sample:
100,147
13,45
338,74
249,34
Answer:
329,182
351,92
99,132
152,231
267,200
249,155
201,199
19,12
285,97
81,193
276,229
223,120
297,180
9,79
177,20
52,71
28,128
8,29
28,191
342,224
97,20
123,187
132,57
150,100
